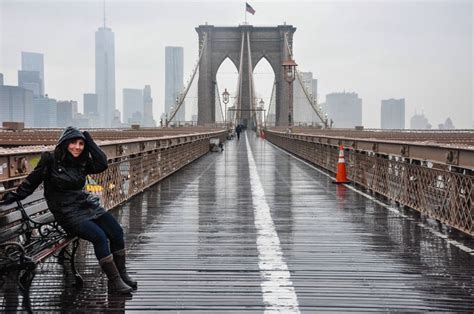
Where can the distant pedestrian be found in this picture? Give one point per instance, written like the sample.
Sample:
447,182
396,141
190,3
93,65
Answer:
238,129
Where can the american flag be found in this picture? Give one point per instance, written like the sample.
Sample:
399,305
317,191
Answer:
249,8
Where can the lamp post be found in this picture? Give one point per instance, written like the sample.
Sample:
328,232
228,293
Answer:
169,115
177,105
261,103
225,100
289,68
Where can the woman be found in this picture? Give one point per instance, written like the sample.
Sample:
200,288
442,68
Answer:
64,174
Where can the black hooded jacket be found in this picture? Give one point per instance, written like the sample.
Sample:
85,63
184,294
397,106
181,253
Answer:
64,178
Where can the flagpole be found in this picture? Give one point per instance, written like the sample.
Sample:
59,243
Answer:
246,13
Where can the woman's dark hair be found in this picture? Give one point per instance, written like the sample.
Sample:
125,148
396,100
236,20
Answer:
62,155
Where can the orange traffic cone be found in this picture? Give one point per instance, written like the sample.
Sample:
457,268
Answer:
341,176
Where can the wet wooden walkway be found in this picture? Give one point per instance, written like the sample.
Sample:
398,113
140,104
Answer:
254,229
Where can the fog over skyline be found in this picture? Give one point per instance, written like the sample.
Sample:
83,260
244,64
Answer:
421,51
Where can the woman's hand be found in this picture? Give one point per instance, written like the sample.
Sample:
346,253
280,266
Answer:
98,162
88,137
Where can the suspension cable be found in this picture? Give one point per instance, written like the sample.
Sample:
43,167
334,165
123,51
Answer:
316,110
251,82
219,101
183,95
239,94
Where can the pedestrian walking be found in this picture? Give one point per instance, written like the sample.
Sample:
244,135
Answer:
63,174
238,130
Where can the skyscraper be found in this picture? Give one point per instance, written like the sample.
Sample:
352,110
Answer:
315,118
65,113
148,120
45,110
345,109
303,113
16,105
105,74
419,122
132,106
392,114
30,80
32,61
174,80
90,104
301,106
447,125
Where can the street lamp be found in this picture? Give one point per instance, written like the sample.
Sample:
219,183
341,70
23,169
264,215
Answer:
170,115
225,100
177,106
289,68
225,96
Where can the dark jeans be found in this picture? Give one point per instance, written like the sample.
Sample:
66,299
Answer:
100,232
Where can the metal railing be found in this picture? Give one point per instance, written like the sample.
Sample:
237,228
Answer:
10,138
447,196
134,164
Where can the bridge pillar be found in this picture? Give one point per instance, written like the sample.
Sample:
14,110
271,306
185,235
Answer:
226,42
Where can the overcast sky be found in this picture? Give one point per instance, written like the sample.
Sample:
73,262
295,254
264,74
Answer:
418,50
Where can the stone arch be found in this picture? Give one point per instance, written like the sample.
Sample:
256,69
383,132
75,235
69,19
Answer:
273,63
226,80
220,61
264,78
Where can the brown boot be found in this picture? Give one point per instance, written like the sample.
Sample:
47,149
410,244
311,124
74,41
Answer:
116,283
119,258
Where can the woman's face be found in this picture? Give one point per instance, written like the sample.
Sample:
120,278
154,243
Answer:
76,147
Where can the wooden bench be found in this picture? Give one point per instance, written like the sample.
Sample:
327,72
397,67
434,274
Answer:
29,234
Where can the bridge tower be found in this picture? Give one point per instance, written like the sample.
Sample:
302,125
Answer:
231,42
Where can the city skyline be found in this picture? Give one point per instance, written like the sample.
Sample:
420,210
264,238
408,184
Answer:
378,50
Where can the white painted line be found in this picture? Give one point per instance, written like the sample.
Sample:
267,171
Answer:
277,288
394,210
